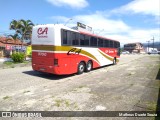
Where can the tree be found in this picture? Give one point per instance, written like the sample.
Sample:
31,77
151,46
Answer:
26,28
22,27
15,25
14,37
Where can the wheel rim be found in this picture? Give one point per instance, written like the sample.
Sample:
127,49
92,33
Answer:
81,68
89,66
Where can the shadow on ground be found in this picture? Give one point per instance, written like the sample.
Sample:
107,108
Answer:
52,76
158,101
46,75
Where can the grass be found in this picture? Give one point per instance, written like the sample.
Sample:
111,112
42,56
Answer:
8,63
67,103
26,91
76,106
154,86
26,62
131,84
58,102
6,97
158,74
81,86
129,74
151,106
52,96
11,64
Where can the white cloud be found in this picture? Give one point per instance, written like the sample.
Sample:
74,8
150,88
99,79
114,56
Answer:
60,18
77,4
147,7
111,28
137,35
97,21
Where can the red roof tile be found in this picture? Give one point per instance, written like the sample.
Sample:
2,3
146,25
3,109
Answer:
4,40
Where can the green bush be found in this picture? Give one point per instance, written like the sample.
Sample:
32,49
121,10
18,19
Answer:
18,57
30,56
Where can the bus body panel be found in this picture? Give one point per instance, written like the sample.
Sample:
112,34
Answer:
68,61
50,56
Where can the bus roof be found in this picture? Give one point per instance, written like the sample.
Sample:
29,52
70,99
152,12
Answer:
97,36
61,26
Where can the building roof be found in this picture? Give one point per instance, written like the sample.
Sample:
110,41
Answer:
133,43
5,40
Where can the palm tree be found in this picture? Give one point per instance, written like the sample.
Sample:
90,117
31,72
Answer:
14,37
26,28
22,27
15,25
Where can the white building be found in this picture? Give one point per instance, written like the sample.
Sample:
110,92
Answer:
149,49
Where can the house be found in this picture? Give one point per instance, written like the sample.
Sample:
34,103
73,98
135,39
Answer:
134,47
8,45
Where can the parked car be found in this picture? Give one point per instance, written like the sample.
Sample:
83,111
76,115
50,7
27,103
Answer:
125,52
154,52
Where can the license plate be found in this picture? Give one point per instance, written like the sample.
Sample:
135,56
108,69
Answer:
42,69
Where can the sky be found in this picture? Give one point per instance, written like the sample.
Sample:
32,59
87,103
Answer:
127,21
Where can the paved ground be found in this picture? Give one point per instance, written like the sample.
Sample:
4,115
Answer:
129,86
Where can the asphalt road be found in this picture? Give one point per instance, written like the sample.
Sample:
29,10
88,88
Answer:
130,85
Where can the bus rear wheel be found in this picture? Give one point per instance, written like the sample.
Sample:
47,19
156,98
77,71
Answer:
88,66
81,68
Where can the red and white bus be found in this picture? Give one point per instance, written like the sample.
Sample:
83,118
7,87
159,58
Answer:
60,50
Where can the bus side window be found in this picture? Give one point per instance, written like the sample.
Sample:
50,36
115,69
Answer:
115,44
86,40
100,42
106,43
82,39
111,44
75,38
118,44
93,41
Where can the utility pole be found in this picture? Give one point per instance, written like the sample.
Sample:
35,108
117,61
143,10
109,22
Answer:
148,46
100,31
67,21
153,42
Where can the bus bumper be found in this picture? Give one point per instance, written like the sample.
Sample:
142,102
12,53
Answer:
46,69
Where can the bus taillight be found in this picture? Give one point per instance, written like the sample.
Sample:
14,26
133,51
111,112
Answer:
55,62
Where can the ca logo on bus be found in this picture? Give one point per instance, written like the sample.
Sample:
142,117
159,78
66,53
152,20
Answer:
42,32
74,51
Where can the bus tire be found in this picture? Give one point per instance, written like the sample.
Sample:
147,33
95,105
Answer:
81,68
114,61
88,66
